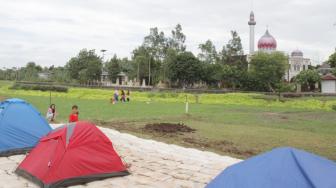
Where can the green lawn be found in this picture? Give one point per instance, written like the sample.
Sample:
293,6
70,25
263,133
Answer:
236,130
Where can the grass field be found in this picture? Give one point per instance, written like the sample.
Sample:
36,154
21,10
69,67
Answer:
239,125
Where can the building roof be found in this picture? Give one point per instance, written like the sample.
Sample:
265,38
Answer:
267,41
297,53
328,77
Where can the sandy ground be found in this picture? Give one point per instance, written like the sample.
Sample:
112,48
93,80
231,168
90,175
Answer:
153,164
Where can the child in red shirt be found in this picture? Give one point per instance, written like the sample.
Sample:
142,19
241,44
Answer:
74,114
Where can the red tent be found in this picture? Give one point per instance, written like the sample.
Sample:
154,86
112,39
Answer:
76,153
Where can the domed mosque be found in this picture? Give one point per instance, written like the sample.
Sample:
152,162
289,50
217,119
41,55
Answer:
267,43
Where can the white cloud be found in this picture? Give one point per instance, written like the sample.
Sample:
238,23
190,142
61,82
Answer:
50,32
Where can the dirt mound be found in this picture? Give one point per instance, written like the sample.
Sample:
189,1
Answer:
168,128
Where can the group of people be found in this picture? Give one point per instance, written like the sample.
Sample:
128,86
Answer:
122,96
51,113
73,117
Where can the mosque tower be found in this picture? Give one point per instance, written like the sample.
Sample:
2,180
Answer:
252,24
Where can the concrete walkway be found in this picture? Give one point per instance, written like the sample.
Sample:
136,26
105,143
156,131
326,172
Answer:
153,164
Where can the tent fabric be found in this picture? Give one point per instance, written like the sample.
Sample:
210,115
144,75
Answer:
21,127
76,153
279,168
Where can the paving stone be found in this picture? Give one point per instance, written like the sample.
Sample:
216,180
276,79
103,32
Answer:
192,168
3,160
161,177
78,186
143,180
17,158
182,176
13,184
201,178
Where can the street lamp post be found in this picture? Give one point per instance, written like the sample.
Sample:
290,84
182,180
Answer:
149,71
103,51
104,64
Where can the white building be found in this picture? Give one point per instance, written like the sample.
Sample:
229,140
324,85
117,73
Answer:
328,84
296,64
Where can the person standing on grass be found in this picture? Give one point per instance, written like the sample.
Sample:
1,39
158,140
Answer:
116,96
51,113
74,114
128,95
123,96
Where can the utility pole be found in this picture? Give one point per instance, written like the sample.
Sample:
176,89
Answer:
103,51
104,64
138,76
149,71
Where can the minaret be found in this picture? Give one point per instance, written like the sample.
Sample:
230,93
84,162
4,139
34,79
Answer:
252,23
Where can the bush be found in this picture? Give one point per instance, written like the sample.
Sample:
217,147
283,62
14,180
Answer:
40,87
333,107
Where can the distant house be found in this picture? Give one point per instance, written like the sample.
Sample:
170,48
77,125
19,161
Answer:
328,84
43,75
324,69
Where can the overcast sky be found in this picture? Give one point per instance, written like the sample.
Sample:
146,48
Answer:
49,32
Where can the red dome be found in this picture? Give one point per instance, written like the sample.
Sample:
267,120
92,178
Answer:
267,42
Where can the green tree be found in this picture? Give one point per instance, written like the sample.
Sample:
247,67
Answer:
212,74
307,79
156,44
334,71
31,71
141,61
186,70
231,49
230,76
283,87
332,59
171,56
267,70
177,40
8,74
208,52
86,66
60,74
113,68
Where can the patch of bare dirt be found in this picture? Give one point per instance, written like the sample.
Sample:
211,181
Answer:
168,128
276,115
222,145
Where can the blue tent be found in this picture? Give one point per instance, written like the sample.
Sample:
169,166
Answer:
279,168
21,127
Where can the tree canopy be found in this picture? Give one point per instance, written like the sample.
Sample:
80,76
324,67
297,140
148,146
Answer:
268,70
307,79
186,70
86,66
332,60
